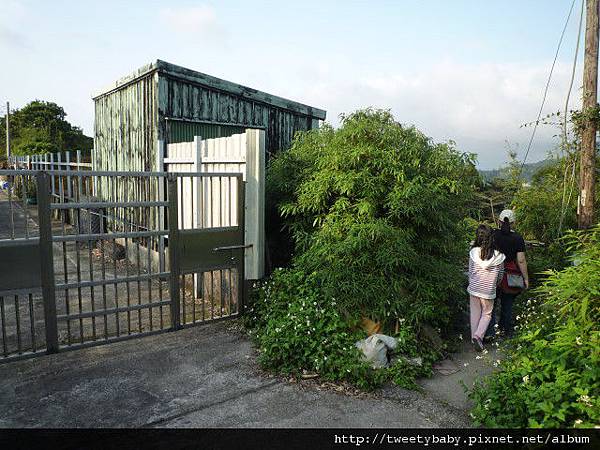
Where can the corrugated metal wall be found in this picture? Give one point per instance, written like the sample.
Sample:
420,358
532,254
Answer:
181,99
178,131
125,136
125,127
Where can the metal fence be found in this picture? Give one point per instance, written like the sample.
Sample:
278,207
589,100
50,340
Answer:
77,270
77,160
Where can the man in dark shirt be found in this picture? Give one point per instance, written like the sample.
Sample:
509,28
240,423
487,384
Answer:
512,245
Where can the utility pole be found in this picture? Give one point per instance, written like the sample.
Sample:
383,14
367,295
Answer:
7,130
585,206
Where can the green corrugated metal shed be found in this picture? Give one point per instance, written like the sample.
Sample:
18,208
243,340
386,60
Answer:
162,101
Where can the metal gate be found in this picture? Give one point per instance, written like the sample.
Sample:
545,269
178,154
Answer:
77,270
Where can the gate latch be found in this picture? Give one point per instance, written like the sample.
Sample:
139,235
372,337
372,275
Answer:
231,247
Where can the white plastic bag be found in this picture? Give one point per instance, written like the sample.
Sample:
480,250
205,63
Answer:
375,349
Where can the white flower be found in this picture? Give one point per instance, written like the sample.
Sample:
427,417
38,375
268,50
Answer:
478,357
460,336
465,364
485,351
578,422
578,340
526,379
585,399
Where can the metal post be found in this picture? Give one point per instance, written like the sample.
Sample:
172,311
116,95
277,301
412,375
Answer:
160,167
8,153
47,261
242,224
174,251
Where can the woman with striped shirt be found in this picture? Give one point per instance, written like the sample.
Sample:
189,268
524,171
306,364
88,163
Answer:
486,268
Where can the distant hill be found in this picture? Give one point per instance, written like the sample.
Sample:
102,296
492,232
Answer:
528,170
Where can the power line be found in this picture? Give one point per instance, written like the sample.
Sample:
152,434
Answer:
562,35
565,204
573,71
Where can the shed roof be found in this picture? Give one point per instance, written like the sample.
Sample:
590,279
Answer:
214,83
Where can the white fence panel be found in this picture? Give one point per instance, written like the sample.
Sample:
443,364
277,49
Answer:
214,199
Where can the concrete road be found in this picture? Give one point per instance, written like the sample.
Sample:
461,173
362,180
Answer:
199,377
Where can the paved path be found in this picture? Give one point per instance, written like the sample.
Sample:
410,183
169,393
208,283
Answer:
202,377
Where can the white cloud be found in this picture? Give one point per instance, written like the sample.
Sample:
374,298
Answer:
198,20
480,106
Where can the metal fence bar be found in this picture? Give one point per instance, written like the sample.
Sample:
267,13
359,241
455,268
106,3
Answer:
3,318
98,205
110,311
91,272
103,267
107,173
12,211
18,322
78,268
107,236
242,225
32,321
126,216
47,262
174,251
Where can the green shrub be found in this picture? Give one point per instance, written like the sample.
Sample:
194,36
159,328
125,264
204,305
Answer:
551,376
375,210
298,330
35,148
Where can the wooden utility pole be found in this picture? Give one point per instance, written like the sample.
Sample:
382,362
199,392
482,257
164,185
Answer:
7,130
585,207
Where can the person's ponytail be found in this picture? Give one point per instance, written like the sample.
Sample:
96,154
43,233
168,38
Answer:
505,227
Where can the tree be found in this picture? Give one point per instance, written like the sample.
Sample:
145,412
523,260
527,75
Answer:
41,127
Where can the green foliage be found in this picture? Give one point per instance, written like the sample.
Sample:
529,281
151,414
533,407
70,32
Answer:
375,210
35,148
540,206
298,330
551,377
41,127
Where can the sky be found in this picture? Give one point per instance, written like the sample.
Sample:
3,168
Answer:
469,71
